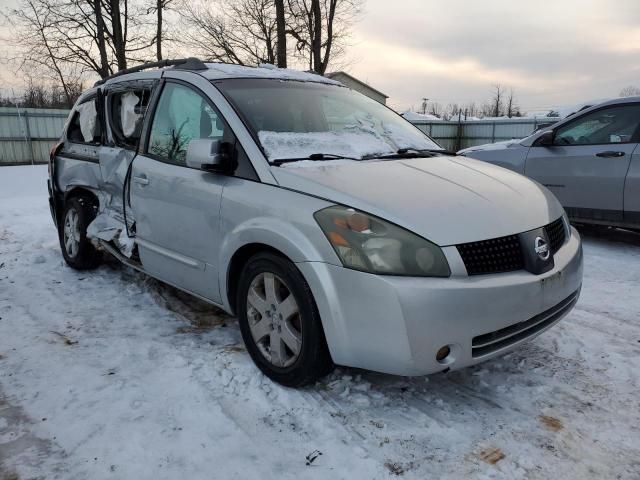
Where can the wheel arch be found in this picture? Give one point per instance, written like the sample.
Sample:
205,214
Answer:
237,263
78,192
286,239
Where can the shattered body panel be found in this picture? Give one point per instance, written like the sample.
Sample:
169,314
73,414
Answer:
102,168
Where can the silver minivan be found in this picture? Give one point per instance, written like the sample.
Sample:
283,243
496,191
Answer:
335,231
590,161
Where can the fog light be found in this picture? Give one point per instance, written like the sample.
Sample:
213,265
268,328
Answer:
443,353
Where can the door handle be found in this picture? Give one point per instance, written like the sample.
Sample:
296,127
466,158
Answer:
610,154
141,180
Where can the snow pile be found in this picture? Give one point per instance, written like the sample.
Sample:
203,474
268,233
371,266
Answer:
109,374
414,117
302,144
353,144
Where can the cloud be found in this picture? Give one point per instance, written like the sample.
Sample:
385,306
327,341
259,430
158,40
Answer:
551,52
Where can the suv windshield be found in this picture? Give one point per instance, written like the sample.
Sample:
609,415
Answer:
296,120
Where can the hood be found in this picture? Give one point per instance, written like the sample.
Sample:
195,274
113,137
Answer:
492,146
448,200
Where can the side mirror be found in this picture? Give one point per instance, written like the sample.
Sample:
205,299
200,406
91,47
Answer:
208,154
546,139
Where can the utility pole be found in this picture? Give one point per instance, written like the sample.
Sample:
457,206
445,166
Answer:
425,103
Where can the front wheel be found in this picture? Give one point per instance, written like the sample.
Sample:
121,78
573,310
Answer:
280,323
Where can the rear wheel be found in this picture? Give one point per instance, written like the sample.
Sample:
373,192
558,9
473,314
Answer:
280,323
77,249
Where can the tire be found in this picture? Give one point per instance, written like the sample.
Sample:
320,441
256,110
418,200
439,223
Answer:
263,321
78,251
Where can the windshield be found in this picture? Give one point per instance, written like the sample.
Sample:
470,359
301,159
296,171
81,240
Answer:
297,120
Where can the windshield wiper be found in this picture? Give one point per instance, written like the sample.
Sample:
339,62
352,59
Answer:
408,153
316,157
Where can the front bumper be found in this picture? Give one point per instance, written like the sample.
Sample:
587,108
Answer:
397,324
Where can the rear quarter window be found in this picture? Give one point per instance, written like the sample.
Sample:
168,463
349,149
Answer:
85,125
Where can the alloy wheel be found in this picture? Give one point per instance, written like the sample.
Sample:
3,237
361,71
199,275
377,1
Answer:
71,233
274,319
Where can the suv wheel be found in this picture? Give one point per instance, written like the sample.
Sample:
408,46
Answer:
280,323
77,250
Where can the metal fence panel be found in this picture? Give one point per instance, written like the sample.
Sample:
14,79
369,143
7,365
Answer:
456,135
27,134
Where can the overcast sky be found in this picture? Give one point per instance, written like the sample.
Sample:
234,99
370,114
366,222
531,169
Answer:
552,52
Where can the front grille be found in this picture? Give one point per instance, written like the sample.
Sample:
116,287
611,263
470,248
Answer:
497,255
556,234
504,254
491,342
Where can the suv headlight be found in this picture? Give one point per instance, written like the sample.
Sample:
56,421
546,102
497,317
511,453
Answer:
370,244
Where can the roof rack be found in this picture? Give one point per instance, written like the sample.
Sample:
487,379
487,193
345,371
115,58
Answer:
190,63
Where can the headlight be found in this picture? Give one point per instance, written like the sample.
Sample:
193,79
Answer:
367,243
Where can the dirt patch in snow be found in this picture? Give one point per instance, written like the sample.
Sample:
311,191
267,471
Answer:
552,423
491,455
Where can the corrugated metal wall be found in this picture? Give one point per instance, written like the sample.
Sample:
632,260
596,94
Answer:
27,134
457,135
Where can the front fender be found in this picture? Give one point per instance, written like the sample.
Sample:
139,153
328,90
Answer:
282,219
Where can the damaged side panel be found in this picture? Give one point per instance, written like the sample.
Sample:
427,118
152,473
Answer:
99,145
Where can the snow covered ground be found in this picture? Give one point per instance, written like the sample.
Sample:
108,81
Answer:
112,375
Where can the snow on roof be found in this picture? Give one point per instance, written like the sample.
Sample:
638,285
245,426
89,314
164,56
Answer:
216,71
413,116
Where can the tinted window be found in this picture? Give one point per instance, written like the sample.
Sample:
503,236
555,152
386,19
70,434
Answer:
182,115
85,125
605,126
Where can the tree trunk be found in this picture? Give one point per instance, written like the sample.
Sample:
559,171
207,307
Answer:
327,49
159,6
281,34
100,40
119,44
316,41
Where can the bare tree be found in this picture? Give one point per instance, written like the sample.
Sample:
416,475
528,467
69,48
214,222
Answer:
436,109
630,91
38,50
159,7
40,95
450,111
471,110
95,35
320,29
511,108
235,31
497,100
281,26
